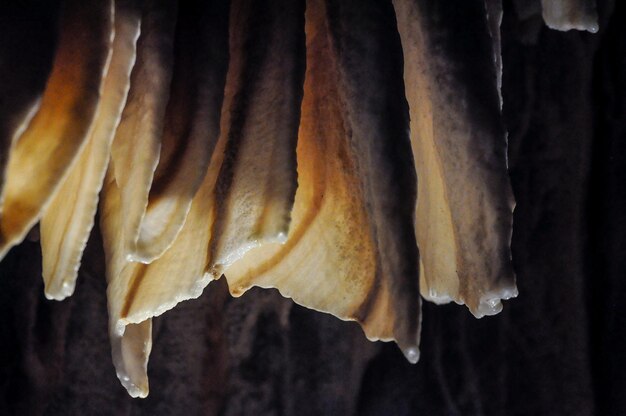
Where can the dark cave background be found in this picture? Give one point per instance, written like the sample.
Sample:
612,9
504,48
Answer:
557,349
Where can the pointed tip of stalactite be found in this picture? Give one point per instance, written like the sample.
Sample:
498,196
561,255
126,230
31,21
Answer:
409,344
490,303
412,354
566,15
135,391
131,347
410,349
488,307
145,256
437,298
58,293
591,26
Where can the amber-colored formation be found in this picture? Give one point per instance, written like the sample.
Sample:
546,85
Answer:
310,146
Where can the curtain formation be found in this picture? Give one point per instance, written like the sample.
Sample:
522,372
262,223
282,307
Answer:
310,146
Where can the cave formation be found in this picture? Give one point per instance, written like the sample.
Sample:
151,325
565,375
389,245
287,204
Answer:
357,156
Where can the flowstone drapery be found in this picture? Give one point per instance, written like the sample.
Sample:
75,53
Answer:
350,154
